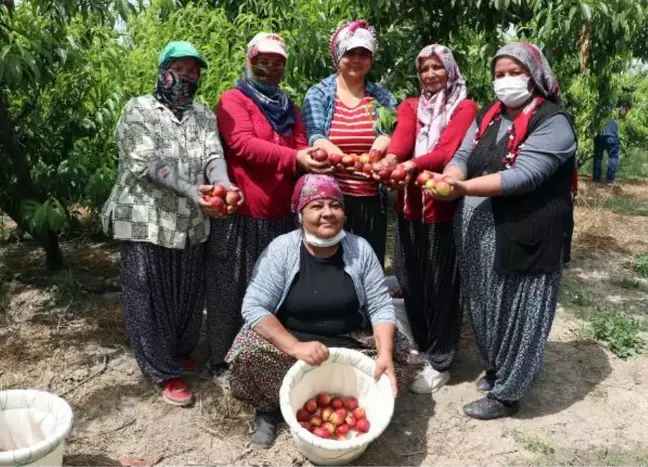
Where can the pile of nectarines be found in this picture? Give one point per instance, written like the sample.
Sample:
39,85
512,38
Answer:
333,417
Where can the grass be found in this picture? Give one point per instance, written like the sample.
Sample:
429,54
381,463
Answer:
618,331
632,166
626,206
628,283
640,264
532,443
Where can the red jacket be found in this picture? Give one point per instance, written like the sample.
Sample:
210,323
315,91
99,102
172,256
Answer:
411,199
261,162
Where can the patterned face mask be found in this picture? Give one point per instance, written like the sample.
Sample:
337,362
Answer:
176,91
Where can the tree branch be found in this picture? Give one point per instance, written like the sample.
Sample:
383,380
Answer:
27,108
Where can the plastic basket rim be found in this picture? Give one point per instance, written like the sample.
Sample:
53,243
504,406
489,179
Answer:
360,441
49,444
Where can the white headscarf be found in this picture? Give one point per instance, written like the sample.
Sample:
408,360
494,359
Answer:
351,35
434,111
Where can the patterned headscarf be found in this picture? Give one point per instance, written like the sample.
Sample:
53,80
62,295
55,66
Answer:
434,111
174,91
351,35
534,61
311,187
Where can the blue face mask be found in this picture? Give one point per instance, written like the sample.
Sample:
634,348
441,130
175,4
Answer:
265,88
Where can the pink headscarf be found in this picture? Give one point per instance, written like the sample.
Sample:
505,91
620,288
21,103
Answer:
434,111
311,187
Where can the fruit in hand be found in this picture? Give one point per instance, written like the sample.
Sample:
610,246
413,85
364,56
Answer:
219,191
348,160
319,155
303,415
367,168
365,158
384,173
323,400
337,403
430,184
398,174
363,425
423,177
310,406
351,403
443,188
232,198
335,159
218,204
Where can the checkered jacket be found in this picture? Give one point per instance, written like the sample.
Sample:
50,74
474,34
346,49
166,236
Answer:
319,106
138,209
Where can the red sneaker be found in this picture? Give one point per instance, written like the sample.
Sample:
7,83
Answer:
188,363
176,392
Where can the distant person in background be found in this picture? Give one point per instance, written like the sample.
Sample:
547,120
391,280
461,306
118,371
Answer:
608,140
168,149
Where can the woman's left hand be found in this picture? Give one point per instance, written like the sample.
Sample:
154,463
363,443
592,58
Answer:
231,209
385,365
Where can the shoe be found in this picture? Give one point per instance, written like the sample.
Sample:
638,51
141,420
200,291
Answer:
429,380
486,382
490,408
264,432
188,363
176,392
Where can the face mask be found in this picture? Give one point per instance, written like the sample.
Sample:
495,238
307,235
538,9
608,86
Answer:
266,88
318,242
513,91
177,91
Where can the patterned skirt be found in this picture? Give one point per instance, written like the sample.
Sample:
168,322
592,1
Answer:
512,313
163,292
233,248
425,265
258,367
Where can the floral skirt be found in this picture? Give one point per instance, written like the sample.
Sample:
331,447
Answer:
258,367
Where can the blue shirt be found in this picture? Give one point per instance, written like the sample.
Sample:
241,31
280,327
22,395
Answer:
319,106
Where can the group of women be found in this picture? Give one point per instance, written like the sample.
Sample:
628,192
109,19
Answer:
296,267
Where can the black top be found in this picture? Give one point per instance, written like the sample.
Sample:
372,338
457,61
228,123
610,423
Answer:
532,231
322,303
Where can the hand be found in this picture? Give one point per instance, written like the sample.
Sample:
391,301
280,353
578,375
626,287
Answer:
231,209
308,164
385,365
314,353
457,188
390,160
409,167
205,207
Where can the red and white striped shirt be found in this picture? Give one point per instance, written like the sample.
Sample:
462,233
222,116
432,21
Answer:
352,130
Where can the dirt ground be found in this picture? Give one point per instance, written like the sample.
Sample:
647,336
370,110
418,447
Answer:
64,333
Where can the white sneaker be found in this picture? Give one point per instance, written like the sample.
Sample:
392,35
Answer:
429,380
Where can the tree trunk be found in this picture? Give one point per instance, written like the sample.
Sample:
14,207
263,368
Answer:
15,193
585,47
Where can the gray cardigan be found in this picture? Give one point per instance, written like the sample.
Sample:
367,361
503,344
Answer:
278,265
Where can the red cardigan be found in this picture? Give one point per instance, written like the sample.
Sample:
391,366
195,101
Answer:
261,162
411,199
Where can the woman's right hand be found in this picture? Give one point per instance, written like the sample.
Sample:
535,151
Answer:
313,352
310,165
390,160
205,207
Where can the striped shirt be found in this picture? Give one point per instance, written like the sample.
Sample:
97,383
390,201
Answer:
352,130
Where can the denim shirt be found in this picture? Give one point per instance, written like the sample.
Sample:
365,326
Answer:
319,106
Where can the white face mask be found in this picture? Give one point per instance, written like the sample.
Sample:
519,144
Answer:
318,242
513,91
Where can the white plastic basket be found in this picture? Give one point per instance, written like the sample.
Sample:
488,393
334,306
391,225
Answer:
347,373
33,427
402,322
